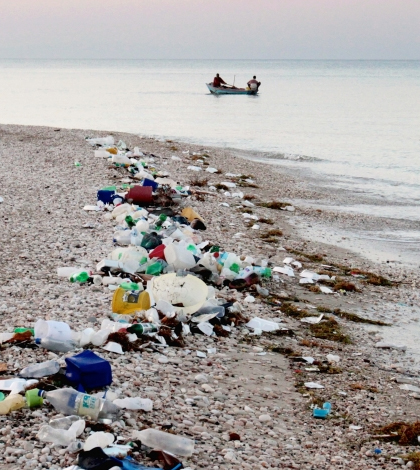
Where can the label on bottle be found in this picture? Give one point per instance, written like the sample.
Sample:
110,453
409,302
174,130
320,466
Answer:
88,406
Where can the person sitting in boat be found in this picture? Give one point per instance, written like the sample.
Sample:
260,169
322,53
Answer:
253,84
218,81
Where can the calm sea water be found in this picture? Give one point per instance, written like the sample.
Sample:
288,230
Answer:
356,124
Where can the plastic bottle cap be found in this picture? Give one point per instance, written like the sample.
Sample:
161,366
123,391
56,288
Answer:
33,398
37,340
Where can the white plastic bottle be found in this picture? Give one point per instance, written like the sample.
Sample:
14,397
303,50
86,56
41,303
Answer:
40,370
56,345
171,443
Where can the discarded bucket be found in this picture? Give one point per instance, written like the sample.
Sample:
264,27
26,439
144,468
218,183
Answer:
186,293
130,301
140,195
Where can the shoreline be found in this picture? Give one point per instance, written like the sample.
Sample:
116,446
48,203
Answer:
36,242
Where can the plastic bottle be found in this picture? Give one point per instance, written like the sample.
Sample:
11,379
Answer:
136,237
156,268
40,370
70,402
79,276
143,328
130,221
142,225
171,443
62,431
151,241
56,345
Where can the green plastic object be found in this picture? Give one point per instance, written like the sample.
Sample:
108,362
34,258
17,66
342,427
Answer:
1,396
81,276
234,267
130,221
109,188
24,330
215,249
33,399
129,286
154,269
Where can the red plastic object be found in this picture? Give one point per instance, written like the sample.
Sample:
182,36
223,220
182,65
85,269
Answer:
140,195
158,252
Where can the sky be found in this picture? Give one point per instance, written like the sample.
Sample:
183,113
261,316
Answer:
210,29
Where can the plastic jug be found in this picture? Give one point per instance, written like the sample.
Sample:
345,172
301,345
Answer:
178,256
126,302
52,329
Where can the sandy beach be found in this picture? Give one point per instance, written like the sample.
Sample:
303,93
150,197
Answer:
253,385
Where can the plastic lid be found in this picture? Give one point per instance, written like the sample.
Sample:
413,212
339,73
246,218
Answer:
37,340
33,398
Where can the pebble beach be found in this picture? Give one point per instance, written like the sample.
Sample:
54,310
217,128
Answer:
245,404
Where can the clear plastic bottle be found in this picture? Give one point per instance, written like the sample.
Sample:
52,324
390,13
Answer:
177,445
71,402
40,370
62,431
56,345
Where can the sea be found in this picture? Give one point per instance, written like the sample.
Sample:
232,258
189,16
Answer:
350,126
346,125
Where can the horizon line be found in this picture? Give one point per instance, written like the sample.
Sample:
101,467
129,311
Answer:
248,60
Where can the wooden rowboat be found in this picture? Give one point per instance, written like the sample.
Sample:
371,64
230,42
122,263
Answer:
229,91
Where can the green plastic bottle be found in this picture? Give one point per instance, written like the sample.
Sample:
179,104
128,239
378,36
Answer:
130,221
79,276
24,330
143,328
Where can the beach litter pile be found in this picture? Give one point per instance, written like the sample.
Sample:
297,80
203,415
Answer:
155,380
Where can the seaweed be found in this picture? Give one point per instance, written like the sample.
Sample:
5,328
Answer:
249,197
198,182
413,457
293,311
221,186
346,286
263,220
351,316
315,257
329,329
404,433
277,205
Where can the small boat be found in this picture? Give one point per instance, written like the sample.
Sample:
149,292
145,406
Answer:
230,91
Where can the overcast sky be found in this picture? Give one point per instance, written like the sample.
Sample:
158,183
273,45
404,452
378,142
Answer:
210,29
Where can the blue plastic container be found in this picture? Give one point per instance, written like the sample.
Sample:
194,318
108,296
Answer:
87,370
105,195
153,184
322,413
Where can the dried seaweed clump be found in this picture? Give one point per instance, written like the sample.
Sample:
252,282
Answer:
293,311
346,286
198,182
274,205
371,278
329,329
351,316
404,433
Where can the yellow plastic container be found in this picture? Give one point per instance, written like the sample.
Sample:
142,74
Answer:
126,302
190,214
112,150
11,403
